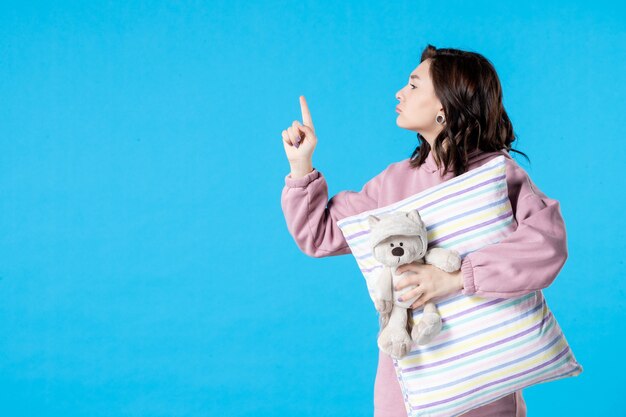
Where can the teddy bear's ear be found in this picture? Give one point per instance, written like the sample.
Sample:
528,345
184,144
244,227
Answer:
415,216
372,220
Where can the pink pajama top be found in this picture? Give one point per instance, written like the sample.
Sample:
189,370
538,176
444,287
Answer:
528,259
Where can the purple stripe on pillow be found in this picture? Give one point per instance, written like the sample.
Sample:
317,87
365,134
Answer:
475,308
469,229
485,347
463,191
543,365
467,213
541,349
364,232
464,177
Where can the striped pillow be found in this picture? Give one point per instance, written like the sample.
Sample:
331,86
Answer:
488,347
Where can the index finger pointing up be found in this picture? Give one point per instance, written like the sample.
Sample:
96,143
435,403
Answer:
306,114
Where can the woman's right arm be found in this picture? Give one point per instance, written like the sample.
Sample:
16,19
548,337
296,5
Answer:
312,218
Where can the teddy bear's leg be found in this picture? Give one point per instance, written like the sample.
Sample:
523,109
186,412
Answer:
383,320
394,339
429,325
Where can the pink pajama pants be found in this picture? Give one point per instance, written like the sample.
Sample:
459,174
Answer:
388,401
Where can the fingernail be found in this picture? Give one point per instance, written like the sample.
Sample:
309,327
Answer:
297,144
400,299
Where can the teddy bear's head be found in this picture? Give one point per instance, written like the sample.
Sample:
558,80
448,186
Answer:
398,238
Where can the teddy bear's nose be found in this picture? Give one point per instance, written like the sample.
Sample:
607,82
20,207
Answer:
397,251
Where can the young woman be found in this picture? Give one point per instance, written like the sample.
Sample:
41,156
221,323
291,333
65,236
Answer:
453,100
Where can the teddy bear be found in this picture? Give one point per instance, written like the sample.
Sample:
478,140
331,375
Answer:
396,239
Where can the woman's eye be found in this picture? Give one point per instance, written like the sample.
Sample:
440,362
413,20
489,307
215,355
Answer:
412,86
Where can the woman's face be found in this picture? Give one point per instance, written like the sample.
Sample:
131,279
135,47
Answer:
418,104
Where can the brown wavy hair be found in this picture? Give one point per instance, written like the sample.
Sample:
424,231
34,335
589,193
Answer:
468,87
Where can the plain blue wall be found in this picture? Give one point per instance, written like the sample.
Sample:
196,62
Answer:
146,268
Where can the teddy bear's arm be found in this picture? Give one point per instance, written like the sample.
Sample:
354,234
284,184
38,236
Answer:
383,285
444,259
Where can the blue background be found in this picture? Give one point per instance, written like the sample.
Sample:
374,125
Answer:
146,268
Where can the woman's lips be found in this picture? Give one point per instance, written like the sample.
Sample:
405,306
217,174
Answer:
398,109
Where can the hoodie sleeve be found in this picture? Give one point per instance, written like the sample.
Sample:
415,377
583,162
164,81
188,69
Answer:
531,256
312,218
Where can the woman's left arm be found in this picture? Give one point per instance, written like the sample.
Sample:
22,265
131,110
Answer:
529,258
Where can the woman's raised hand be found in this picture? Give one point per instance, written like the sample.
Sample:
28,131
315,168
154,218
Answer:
299,139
